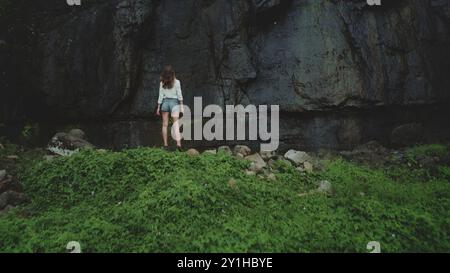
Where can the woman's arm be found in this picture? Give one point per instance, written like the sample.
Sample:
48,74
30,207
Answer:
160,99
179,95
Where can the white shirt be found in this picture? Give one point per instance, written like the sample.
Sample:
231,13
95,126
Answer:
172,93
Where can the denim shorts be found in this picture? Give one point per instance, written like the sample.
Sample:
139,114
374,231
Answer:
170,105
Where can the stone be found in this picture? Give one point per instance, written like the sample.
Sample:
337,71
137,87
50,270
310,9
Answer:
407,134
78,133
12,157
193,152
250,173
224,149
371,153
49,157
10,184
297,157
2,147
2,174
275,162
242,149
308,167
258,164
267,155
239,156
272,177
66,144
325,187
12,198
213,152
232,183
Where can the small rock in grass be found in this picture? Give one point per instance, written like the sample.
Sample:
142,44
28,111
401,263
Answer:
239,156
78,133
12,157
272,177
242,149
308,167
297,157
2,174
193,152
11,198
49,157
250,173
213,152
224,149
10,184
258,164
2,147
277,163
232,184
325,187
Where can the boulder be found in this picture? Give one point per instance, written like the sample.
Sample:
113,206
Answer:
78,133
297,157
242,149
66,144
407,134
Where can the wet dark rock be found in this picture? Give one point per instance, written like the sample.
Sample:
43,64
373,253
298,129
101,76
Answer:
408,134
371,154
77,133
10,184
12,198
2,174
66,144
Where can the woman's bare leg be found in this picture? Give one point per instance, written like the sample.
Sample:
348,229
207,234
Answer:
165,127
176,127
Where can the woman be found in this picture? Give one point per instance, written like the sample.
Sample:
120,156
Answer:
170,104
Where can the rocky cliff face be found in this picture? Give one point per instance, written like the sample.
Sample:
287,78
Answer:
342,72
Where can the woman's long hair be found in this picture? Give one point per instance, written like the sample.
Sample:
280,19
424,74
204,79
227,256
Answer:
168,77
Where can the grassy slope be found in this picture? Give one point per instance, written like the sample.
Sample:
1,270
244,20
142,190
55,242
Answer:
148,200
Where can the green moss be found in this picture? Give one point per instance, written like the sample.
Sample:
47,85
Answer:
149,200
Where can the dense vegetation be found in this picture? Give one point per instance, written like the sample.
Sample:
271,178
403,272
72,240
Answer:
150,200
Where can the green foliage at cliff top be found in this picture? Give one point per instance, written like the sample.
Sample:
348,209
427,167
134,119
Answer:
149,200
